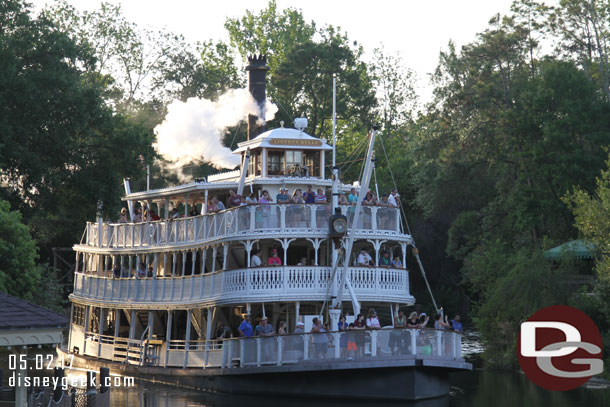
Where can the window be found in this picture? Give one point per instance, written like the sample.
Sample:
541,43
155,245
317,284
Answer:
275,163
294,163
78,316
312,162
255,164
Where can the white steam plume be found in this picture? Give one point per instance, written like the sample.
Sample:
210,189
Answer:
192,130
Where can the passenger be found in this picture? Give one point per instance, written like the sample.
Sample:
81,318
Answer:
266,200
220,330
123,216
194,211
364,259
398,335
352,348
320,340
320,197
251,199
342,327
174,213
138,215
116,271
303,262
456,324
368,199
359,325
423,320
393,198
297,340
264,328
234,199
153,216
385,260
219,206
309,196
245,329
283,329
282,197
343,199
352,198
299,209
274,260
439,323
256,261
243,201
397,263
413,321
140,272
372,322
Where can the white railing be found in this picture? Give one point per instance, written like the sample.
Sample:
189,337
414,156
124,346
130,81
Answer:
302,348
230,286
244,220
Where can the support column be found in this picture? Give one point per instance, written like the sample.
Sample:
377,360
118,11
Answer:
204,252
173,264
204,208
100,330
168,335
193,260
208,334
214,253
117,322
187,338
285,244
225,254
183,254
297,306
132,324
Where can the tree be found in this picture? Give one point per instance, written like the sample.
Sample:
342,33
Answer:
63,148
583,27
206,73
19,275
270,33
303,84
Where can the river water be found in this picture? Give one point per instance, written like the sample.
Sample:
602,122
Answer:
477,388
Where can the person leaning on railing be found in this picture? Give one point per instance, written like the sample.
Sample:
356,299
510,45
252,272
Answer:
320,340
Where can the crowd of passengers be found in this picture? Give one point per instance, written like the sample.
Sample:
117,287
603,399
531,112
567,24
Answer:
283,197
364,259
350,342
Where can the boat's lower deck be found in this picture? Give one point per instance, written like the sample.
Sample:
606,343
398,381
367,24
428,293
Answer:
399,377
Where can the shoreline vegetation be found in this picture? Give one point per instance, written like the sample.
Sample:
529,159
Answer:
509,159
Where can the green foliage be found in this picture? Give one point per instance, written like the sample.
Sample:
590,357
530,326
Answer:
512,286
62,147
592,218
270,33
19,275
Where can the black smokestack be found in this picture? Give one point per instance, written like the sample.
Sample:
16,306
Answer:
257,71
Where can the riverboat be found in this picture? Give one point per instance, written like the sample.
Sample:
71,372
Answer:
149,296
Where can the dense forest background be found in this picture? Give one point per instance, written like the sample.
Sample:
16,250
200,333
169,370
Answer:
508,159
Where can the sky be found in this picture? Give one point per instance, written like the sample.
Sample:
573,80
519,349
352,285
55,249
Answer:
418,30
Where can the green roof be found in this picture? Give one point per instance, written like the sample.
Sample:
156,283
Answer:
578,249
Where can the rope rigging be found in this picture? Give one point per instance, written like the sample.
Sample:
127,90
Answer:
404,216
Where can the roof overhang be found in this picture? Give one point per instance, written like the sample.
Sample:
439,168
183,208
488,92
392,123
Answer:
33,336
179,190
284,138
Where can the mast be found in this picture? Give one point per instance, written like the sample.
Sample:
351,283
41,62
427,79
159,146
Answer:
366,179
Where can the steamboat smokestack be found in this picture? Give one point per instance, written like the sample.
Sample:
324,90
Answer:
257,71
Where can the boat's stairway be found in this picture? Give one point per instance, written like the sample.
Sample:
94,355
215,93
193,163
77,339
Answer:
128,351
